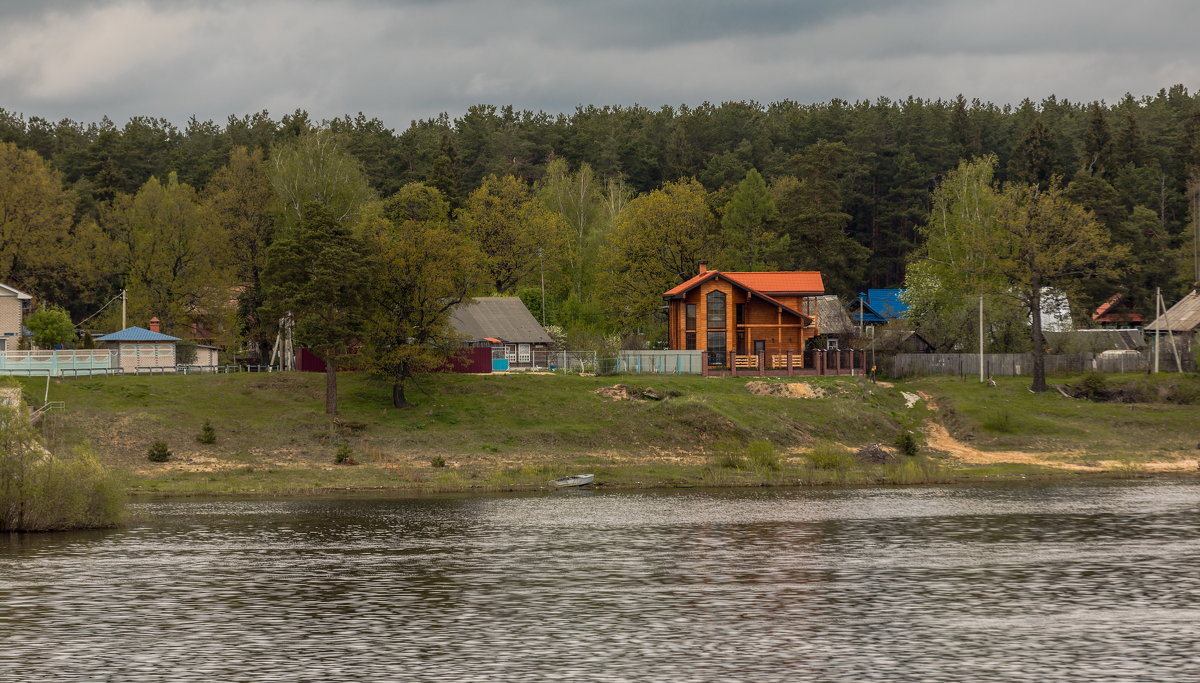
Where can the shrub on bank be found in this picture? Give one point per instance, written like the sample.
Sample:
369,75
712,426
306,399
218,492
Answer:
344,455
829,456
762,457
159,452
207,434
42,491
906,443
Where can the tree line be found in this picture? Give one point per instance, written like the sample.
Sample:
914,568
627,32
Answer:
587,216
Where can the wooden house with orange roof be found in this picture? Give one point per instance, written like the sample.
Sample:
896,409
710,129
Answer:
752,317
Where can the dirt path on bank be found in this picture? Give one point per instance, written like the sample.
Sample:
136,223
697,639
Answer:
940,439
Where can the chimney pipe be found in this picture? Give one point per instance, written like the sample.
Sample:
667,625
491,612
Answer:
703,267
154,325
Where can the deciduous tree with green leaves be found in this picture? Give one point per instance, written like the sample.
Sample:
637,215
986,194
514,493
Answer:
1016,241
315,169
659,241
515,232
420,272
51,326
177,266
243,204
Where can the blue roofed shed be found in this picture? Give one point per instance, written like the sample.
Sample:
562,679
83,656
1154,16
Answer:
138,349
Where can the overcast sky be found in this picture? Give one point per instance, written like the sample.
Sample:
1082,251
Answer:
405,59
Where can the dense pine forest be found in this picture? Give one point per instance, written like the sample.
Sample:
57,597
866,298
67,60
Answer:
591,212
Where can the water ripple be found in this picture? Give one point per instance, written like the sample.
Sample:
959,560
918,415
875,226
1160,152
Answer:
1045,583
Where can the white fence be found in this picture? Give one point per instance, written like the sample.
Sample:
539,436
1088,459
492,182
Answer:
56,363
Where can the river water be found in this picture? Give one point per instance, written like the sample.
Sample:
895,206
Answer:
999,583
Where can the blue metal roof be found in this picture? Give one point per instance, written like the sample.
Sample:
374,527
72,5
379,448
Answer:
136,334
880,306
887,302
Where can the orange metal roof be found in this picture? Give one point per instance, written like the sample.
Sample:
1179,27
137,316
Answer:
740,282
782,281
688,284
770,282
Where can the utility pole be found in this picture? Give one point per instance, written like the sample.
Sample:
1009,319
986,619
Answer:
542,267
981,339
123,323
1157,328
1166,317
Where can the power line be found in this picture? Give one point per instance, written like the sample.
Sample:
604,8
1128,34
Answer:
106,305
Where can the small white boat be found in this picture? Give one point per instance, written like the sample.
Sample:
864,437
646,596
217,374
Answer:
575,480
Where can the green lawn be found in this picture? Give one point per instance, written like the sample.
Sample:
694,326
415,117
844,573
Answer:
493,431
502,432
1009,417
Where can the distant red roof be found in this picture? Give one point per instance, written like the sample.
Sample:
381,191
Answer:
1104,313
770,282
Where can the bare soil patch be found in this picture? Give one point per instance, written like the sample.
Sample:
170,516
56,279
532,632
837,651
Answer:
628,392
785,389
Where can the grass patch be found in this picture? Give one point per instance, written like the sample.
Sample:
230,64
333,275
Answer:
830,456
1010,417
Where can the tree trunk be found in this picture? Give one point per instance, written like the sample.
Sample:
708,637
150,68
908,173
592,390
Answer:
330,388
1039,343
398,400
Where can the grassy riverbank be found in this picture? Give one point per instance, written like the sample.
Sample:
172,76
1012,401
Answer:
1147,424
518,431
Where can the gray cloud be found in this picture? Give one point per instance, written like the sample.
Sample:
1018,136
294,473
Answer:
407,59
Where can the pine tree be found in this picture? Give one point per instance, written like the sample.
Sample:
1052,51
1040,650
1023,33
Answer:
747,221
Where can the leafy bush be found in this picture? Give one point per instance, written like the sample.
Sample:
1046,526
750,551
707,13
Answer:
830,456
762,456
51,326
40,492
1094,385
437,461
207,434
159,452
906,443
344,455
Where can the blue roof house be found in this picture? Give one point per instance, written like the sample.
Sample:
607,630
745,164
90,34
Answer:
136,349
878,306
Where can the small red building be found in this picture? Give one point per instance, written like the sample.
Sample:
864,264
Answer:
772,314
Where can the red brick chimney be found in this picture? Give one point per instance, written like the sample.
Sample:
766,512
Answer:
154,325
703,267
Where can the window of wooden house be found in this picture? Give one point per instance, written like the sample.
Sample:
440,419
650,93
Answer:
741,341
716,311
739,313
690,341
690,316
716,348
